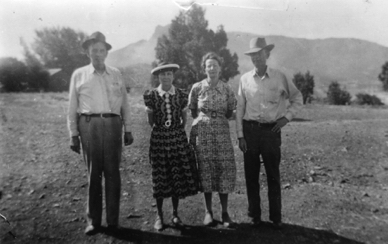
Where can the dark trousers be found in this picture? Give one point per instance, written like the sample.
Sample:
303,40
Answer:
101,140
261,141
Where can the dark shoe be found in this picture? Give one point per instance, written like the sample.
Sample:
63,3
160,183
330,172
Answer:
277,225
208,219
256,221
159,223
91,229
226,221
115,229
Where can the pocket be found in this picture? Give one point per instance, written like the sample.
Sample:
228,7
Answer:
116,89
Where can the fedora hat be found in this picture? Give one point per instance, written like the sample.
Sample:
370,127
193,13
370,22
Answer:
163,66
258,43
95,37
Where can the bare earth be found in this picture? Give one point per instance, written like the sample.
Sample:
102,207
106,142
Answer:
334,176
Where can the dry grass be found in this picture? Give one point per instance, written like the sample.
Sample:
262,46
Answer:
334,171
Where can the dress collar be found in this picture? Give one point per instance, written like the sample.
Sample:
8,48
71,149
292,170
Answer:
162,92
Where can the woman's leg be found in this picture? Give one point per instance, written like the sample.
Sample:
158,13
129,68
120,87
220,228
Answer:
208,208
224,206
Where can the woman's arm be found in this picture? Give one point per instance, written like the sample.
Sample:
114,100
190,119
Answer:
229,114
194,113
151,118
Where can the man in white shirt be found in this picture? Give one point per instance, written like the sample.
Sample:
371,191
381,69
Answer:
98,110
261,113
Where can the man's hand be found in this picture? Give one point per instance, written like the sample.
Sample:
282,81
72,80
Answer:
128,138
242,144
75,144
280,123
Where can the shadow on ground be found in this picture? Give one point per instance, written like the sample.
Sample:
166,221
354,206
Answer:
242,233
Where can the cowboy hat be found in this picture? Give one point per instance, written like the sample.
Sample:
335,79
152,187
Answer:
95,37
257,44
163,66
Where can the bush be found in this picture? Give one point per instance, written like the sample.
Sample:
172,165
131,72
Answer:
305,84
338,96
366,99
13,75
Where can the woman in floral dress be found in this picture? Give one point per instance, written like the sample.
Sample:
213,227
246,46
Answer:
169,154
212,102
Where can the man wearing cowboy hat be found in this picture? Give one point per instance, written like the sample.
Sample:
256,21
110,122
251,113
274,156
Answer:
98,110
261,113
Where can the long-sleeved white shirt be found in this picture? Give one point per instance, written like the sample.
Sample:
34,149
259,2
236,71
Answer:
265,99
94,93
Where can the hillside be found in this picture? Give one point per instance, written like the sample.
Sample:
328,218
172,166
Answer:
355,63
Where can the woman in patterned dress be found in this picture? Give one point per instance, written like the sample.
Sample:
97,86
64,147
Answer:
212,102
169,154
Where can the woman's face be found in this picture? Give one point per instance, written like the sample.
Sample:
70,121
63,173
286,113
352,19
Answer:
166,78
212,68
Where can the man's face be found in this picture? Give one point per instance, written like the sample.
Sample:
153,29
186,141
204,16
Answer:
97,53
259,59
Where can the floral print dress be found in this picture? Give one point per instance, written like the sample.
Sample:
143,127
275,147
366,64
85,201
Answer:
210,136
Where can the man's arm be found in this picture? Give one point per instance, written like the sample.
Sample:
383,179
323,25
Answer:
296,100
240,111
72,116
126,115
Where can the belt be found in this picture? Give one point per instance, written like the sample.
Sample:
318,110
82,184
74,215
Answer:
212,113
107,115
256,123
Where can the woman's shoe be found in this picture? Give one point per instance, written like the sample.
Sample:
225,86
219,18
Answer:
158,223
176,221
208,219
226,221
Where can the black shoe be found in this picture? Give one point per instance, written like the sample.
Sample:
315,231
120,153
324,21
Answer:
256,221
277,225
114,229
92,229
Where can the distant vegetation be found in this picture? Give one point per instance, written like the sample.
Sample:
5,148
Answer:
383,76
305,84
337,95
16,76
366,99
188,40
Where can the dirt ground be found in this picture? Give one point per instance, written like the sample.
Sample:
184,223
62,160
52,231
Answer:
334,177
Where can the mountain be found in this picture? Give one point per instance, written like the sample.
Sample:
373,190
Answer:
140,52
354,63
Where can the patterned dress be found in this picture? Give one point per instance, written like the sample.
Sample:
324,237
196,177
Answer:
210,136
170,154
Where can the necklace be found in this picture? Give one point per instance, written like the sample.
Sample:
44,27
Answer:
168,109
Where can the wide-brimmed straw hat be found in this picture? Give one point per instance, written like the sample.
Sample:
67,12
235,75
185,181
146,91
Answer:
257,44
96,37
163,67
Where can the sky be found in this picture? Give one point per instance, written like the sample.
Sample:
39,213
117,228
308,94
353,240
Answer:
128,21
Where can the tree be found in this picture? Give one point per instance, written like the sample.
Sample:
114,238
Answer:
60,47
38,77
188,40
305,84
338,96
13,75
383,76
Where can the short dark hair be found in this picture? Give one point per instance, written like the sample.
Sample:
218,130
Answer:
211,55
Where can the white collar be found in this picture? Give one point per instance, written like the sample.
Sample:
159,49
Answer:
162,92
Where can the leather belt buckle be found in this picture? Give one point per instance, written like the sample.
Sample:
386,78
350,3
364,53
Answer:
213,114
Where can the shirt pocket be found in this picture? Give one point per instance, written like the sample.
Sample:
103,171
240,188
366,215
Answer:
274,94
115,88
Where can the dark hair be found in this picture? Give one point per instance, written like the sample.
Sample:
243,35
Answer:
211,55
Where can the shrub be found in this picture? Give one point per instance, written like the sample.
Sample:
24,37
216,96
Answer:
305,84
366,99
338,96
